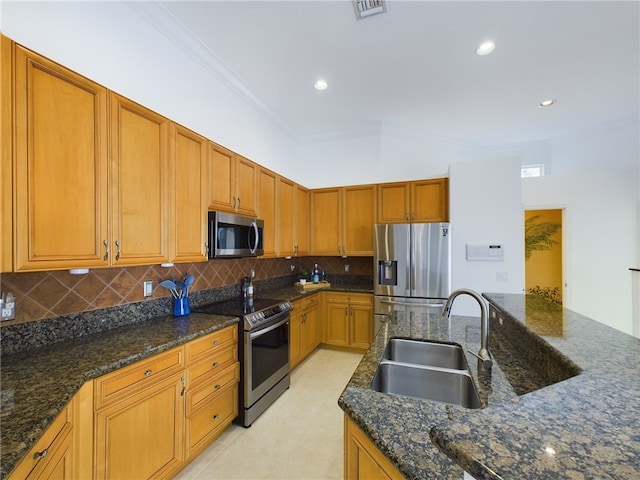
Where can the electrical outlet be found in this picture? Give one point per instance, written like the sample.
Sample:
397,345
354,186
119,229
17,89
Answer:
148,288
346,267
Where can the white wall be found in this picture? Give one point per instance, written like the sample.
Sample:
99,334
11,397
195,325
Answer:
600,239
486,208
112,44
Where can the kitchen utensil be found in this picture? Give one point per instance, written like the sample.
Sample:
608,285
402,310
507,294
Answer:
188,281
180,288
171,286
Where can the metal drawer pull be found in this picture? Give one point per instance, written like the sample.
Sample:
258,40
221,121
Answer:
41,454
215,417
215,342
215,364
217,387
148,373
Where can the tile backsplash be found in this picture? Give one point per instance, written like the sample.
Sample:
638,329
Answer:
43,295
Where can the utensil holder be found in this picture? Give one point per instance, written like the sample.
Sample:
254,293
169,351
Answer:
181,307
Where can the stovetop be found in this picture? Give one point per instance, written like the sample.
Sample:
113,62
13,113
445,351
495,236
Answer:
254,311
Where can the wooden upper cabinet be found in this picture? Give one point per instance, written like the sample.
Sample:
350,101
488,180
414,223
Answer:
325,228
342,220
188,158
301,207
419,201
267,181
60,166
247,186
285,211
234,182
6,154
393,200
430,200
141,193
358,219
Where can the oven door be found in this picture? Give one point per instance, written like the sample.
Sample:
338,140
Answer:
266,358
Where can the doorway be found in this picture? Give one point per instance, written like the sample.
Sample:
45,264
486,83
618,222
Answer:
543,253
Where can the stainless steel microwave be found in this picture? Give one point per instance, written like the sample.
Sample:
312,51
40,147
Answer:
232,235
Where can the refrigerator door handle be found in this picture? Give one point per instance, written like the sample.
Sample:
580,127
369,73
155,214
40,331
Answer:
412,304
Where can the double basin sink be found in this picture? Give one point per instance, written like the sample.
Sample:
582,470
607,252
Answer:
426,370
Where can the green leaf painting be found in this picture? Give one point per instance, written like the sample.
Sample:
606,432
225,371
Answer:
537,235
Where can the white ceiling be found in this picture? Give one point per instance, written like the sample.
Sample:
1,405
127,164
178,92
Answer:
414,66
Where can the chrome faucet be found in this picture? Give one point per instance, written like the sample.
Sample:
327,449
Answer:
484,357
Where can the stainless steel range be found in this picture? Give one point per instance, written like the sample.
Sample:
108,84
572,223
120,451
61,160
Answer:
263,350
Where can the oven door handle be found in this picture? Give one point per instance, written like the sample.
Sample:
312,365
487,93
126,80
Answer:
261,332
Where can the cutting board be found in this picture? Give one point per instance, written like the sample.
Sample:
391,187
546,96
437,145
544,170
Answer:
312,286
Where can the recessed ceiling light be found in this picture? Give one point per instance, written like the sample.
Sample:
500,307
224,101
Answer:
485,48
547,103
320,84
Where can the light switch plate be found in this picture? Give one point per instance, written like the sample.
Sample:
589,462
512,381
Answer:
148,288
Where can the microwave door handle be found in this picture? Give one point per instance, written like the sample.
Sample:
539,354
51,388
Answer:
254,225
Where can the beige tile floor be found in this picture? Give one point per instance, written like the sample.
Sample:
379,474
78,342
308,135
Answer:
299,437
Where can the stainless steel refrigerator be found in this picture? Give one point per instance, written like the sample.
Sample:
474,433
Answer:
412,268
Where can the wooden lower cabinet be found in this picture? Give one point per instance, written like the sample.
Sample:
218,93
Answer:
362,459
142,436
304,329
349,319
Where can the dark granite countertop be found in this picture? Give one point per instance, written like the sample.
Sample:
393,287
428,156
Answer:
37,384
571,412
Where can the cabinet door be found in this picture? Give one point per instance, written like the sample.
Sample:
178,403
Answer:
362,459
189,165
430,200
60,166
310,337
393,202
361,326
142,436
267,210
285,217
325,224
222,178
246,186
295,327
301,222
6,154
337,321
140,190
359,216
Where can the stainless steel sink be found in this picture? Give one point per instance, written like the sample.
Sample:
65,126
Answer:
421,352
454,387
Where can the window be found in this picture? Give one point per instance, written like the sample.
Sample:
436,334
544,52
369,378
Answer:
532,171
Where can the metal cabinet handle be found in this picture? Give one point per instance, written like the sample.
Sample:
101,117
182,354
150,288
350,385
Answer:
184,386
148,373
217,387
215,365
41,454
106,250
118,250
215,342
215,417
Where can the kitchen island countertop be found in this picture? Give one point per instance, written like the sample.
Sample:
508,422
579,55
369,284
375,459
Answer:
585,426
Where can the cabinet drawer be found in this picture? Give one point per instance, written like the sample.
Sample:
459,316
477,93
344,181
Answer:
211,420
199,395
215,341
128,380
216,361
311,301
44,447
353,298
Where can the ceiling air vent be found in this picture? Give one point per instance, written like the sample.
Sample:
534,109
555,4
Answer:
366,8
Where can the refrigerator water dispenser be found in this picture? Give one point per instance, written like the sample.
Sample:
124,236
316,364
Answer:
388,272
